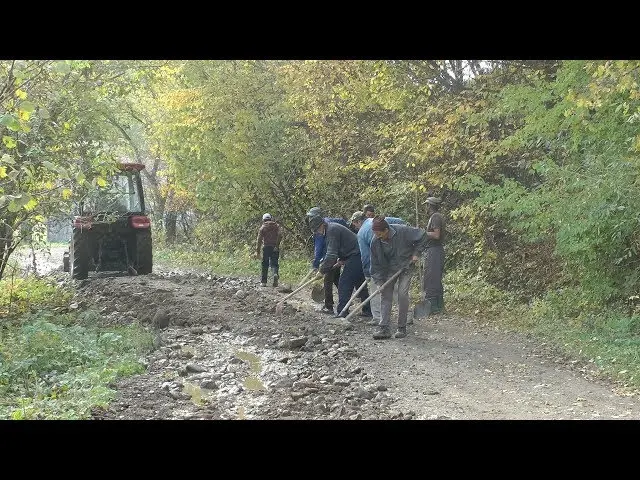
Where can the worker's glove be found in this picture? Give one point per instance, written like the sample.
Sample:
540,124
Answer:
326,267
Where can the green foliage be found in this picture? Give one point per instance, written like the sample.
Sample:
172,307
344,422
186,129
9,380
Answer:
22,295
581,185
55,367
59,138
470,294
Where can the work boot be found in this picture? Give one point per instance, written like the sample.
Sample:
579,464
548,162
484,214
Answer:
326,309
263,284
381,333
275,280
401,332
373,322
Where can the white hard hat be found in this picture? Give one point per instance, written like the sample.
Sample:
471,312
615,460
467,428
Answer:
266,216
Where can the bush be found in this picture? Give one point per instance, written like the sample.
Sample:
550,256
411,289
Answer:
59,365
22,295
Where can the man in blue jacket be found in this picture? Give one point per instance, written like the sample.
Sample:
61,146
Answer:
362,224
319,250
342,250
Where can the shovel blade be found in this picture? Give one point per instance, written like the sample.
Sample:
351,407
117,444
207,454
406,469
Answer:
317,293
422,309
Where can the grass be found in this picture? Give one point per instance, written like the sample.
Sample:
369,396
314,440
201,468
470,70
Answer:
293,267
20,295
55,363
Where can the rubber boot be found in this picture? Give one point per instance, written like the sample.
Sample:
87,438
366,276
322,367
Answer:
275,277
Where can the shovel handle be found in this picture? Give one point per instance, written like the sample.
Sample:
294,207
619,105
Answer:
306,277
368,299
353,297
301,287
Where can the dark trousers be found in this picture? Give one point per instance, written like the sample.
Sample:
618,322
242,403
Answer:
331,278
351,278
269,257
433,272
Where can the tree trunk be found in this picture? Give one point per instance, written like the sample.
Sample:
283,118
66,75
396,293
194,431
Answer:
6,247
170,220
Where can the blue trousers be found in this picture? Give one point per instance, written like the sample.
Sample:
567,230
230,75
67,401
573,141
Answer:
351,278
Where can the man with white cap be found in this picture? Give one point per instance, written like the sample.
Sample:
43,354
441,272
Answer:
269,234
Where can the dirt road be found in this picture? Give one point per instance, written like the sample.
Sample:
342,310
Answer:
223,353
226,354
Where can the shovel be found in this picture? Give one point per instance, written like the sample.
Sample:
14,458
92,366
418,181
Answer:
306,277
280,304
422,309
353,297
368,299
317,293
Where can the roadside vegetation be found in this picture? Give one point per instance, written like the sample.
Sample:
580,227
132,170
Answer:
57,362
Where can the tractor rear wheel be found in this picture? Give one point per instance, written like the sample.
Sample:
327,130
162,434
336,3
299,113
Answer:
79,255
144,253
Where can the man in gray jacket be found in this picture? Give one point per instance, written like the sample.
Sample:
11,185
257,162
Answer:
342,250
362,225
394,248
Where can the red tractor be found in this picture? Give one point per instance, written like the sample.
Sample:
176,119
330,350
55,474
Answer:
112,231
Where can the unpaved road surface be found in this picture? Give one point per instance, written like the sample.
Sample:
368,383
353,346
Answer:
223,353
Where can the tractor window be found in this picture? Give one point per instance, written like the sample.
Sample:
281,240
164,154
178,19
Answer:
121,196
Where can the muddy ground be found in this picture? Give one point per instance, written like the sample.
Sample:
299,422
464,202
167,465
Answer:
224,353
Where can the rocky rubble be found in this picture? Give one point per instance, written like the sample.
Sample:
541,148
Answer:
223,353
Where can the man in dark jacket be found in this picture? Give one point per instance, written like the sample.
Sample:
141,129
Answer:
270,234
342,250
394,248
332,277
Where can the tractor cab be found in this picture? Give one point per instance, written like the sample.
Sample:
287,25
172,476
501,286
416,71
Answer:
122,196
111,230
